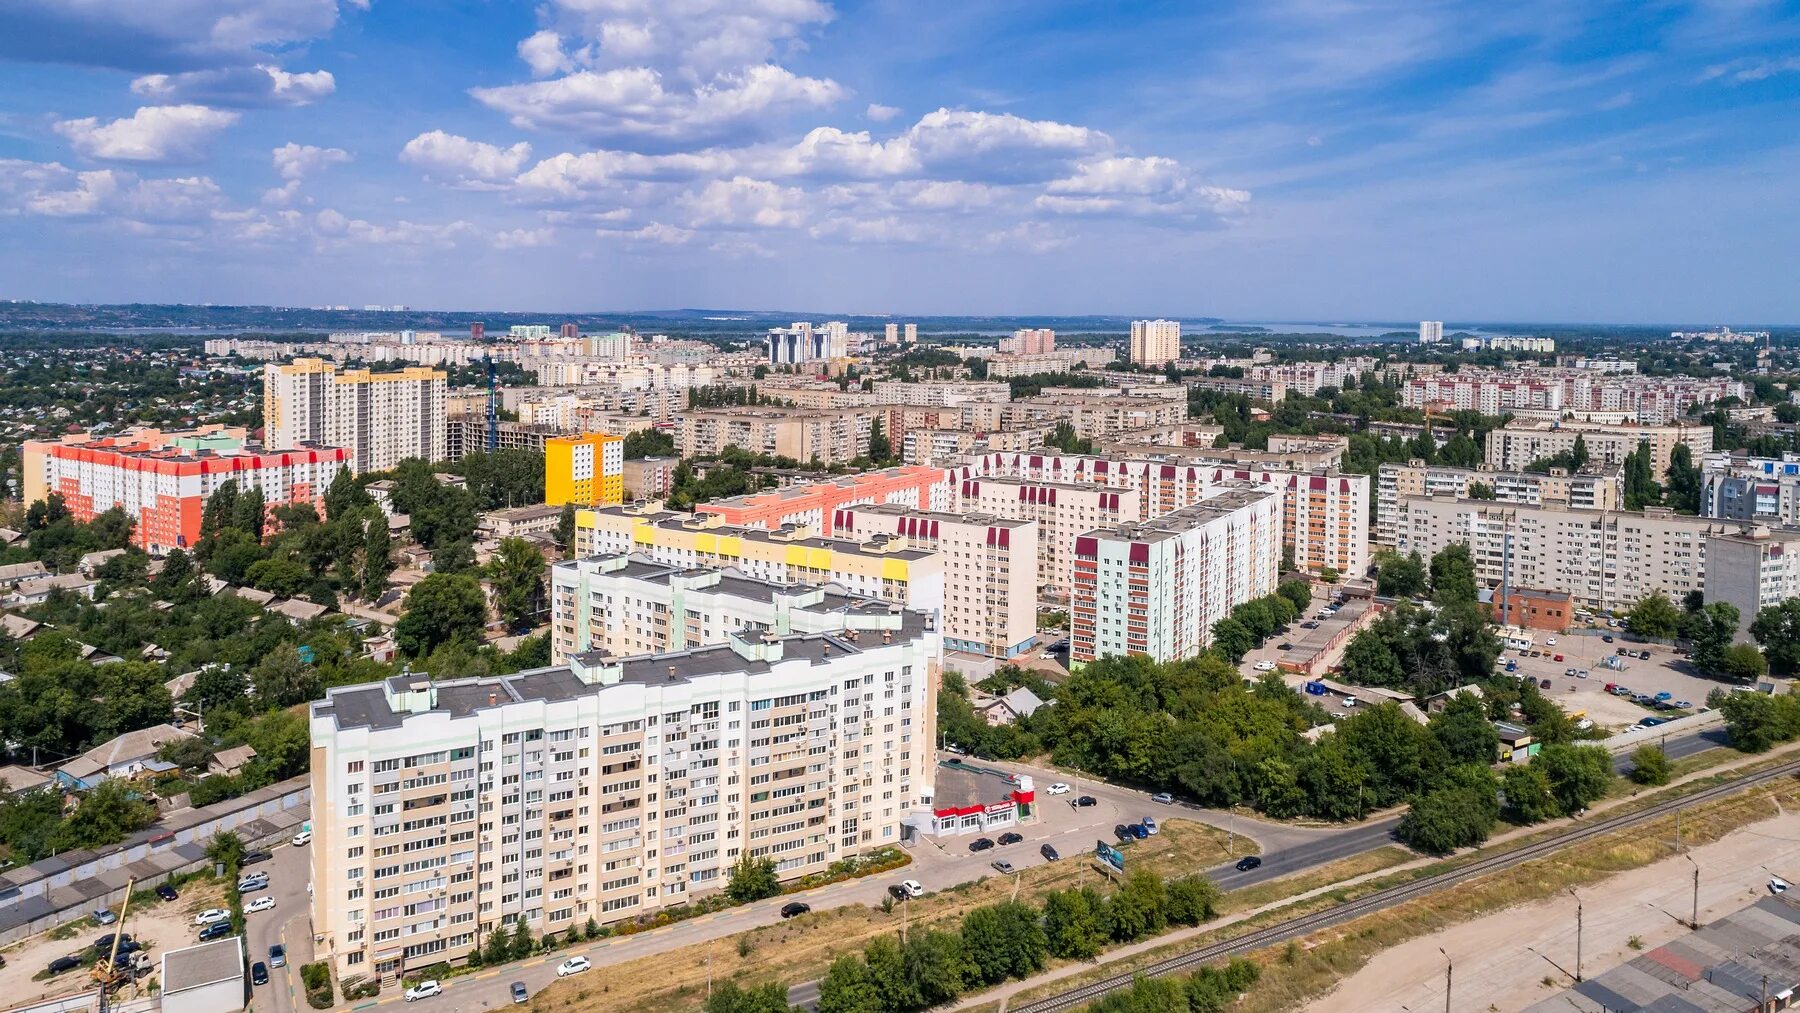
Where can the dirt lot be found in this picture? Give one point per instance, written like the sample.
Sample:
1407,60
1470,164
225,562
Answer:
1503,960
161,926
1664,672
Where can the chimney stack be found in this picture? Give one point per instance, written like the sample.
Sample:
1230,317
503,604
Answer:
493,698
671,673
887,636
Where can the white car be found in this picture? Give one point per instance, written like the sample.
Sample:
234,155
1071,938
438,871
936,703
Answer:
1551,641
1349,701
1777,885
573,965
1265,666
424,990
302,839
913,888
212,915
1058,788
260,904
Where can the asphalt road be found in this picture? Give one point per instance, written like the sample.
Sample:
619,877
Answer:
287,924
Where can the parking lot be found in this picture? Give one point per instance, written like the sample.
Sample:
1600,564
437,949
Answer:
1584,650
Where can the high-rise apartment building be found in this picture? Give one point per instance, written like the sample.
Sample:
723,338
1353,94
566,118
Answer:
912,334
571,330
1597,488
162,480
1029,341
990,570
879,566
1154,342
1063,511
815,503
1753,568
381,418
828,436
1516,445
608,788
1740,487
1551,395
478,332
586,470
1156,588
1431,332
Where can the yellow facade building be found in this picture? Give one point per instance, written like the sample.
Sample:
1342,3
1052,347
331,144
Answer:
586,470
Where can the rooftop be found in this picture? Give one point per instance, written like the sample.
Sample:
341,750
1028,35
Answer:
193,966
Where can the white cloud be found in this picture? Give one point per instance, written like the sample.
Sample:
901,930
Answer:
1137,186
142,35
152,134
694,39
281,195
632,108
260,85
655,233
1751,70
946,195
543,53
296,161
887,229
1122,175
745,202
570,175
334,225
514,239
880,113
460,159
1001,141
55,191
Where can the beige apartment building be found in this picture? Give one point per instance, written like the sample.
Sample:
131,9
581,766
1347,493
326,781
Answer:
1154,342
1095,416
990,571
609,787
1605,559
1590,489
381,418
1515,445
1062,511
829,436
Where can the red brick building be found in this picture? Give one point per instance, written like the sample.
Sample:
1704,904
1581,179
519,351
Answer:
1534,609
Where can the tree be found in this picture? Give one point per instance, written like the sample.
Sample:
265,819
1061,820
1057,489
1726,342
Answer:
1709,632
887,969
1743,663
1453,575
499,946
1578,455
1192,900
1641,489
1650,765
1777,629
344,495
934,965
517,576
1297,591
1002,941
283,578
1654,616
454,557
1075,923
1465,732
727,997
1232,638
565,531
1400,576
378,561
1683,490
752,879
1577,775
249,512
1528,798
233,553
1368,661
1458,814
1757,721
225,848
282,679
1139,908
175,574
441,609
879,447
644,443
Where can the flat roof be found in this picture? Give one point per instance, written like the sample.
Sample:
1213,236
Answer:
205,964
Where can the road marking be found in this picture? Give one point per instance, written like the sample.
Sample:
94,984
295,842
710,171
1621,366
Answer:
489,974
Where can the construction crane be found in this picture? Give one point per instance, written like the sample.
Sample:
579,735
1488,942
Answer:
107,974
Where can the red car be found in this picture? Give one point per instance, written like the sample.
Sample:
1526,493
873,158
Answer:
1557,658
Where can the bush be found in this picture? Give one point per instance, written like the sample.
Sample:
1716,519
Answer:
316,977
1649,765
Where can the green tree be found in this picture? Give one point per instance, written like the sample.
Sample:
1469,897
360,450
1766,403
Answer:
849,987
344,496
880,449
649,443
1578,455
1453,575
226,849
1654,616
1465,732
517,575
1192,900
1139,908
752,879
1577,775
1709,632
282,679
887,969
1232,638
935,966
1400,576
565,531
1459,813
249,513
1368,661
1777,629
1756,721
378,553
283,578
1528,798
1650,765
728,997
498,949
1743,663
441,609
1002,941
1684,479
1297,591
1075,923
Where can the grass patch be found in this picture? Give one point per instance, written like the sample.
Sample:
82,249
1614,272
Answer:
801,949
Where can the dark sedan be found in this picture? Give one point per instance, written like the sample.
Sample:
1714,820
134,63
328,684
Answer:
980,844
1049,853
1011,838
167,892
1248,862
795,909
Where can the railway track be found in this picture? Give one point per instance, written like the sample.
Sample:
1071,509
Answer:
1295,928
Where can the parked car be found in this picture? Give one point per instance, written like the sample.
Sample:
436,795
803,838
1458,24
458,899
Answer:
1049,853
1581,673
1606,638
1665,695
259,973
105,943
1264,666
278,955
520,994
1122,832
1557,658
167,892
260,904
1550,640
981,844
1644,655
1149,824
302,839
573,965
1058,788
104,917
424,990
912,888
217,930
1011,838
1284,647
1778,885
212,916
1685,704
253,857
1309,625
1248,862
1570,672
1163,798
1002,866
1543,683
61,964
1137,831
794,909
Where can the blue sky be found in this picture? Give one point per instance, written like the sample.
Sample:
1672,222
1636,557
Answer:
1273,159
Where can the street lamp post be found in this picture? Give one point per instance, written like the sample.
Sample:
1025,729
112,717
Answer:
1577,897
1448,967
1694,920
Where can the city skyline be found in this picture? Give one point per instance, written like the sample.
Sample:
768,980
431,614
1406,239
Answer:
1286,161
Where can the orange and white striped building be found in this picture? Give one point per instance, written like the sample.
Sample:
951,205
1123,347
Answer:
163,479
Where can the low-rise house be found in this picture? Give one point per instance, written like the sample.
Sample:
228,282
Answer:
91,563
38,590
231,762
1004,710
19,627
20,779
129,756
8,536
251,594
299,611
381,648
12,573
1516,743
519,521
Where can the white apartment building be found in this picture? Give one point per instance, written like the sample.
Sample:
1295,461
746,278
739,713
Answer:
1029,341
1739,487
608,788
1586,490
381,418
1157,588
1605,559
1753,568
1648,400
1517,444
1154,342
1324,515
1431,332
990,571
939,393
1062,511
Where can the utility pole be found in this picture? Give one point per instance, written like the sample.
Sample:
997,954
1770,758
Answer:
1694,920
1448,966
1577,897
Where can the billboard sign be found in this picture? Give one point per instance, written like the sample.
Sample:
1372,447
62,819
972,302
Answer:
1109,856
